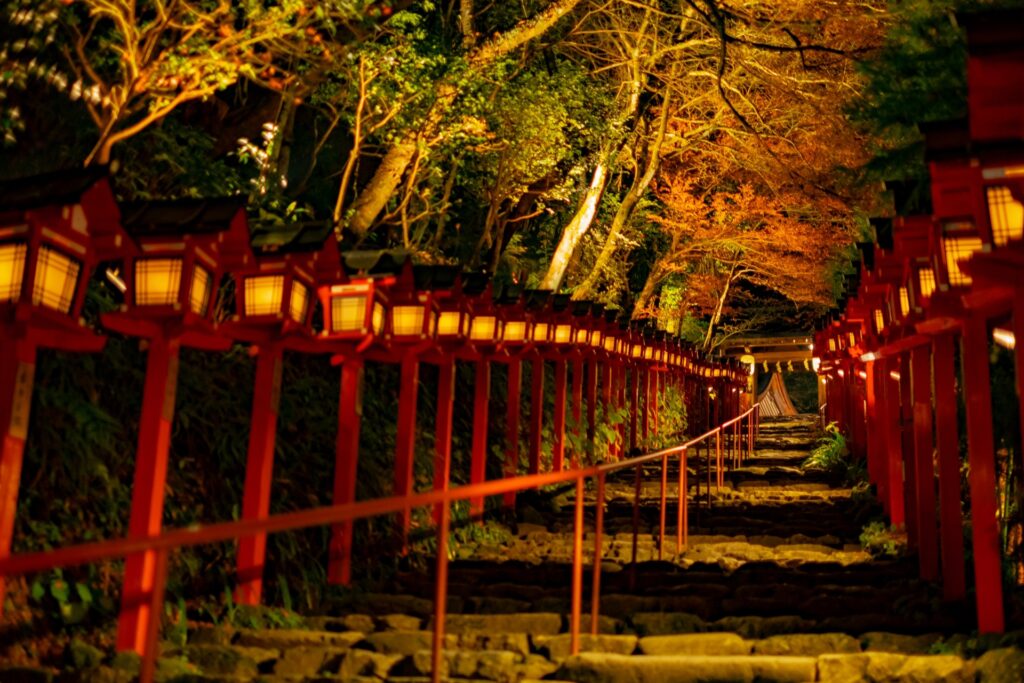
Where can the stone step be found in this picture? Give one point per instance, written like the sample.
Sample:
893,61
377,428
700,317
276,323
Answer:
598,668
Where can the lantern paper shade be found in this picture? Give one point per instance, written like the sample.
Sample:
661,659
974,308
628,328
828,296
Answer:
199,295
483,328
449,324
956,250
609,344
904,301
348,314
595,339
853,339
263,294
563,334
12,270
515,331
926,281
56,280
298,305
157,281
581,336
879,321
1006,215
540,332
407,321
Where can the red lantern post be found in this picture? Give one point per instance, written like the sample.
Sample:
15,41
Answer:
54,229
355,313
182,250
274,295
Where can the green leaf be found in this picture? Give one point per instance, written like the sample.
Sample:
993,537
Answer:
84,594
37,592
59,591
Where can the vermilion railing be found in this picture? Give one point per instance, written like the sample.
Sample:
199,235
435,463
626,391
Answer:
165,543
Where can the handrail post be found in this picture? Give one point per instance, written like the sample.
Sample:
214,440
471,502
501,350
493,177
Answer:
577,571
595,595
707,452
440,591
636,525
681,513
664,483
718,460
151,644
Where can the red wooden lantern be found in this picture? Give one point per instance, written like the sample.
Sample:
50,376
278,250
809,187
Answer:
275,285
54,229
182,249
355,308
274,302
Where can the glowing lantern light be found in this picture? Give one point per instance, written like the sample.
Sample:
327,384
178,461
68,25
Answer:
1005,213
955,250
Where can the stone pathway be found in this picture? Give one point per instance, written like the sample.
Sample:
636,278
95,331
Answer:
773,586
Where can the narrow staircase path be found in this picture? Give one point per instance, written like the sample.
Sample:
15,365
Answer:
773,586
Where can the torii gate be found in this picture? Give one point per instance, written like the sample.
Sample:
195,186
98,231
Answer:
793,349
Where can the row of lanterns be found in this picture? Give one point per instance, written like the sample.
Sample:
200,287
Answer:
177,253
949,280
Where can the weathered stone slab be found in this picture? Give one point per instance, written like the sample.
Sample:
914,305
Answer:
696,644
357,662
607,668
1005,665
406,642
536,623
810,644
883,641
285,638
558,647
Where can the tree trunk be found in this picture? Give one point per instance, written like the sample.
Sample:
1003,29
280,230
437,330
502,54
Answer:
629,203
576,229
647,293
716,317
466,22
374,197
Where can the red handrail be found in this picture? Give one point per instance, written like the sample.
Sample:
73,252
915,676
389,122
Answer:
168,541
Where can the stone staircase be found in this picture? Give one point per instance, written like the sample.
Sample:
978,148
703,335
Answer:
773,586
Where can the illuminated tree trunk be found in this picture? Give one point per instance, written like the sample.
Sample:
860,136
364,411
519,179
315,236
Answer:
577,228
629,203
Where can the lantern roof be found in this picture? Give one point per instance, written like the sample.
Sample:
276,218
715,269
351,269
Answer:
561,302
162,217
58,188
268,239
536,298
435,277
475,283
994,31
580,308
377,262
511,295
946,140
